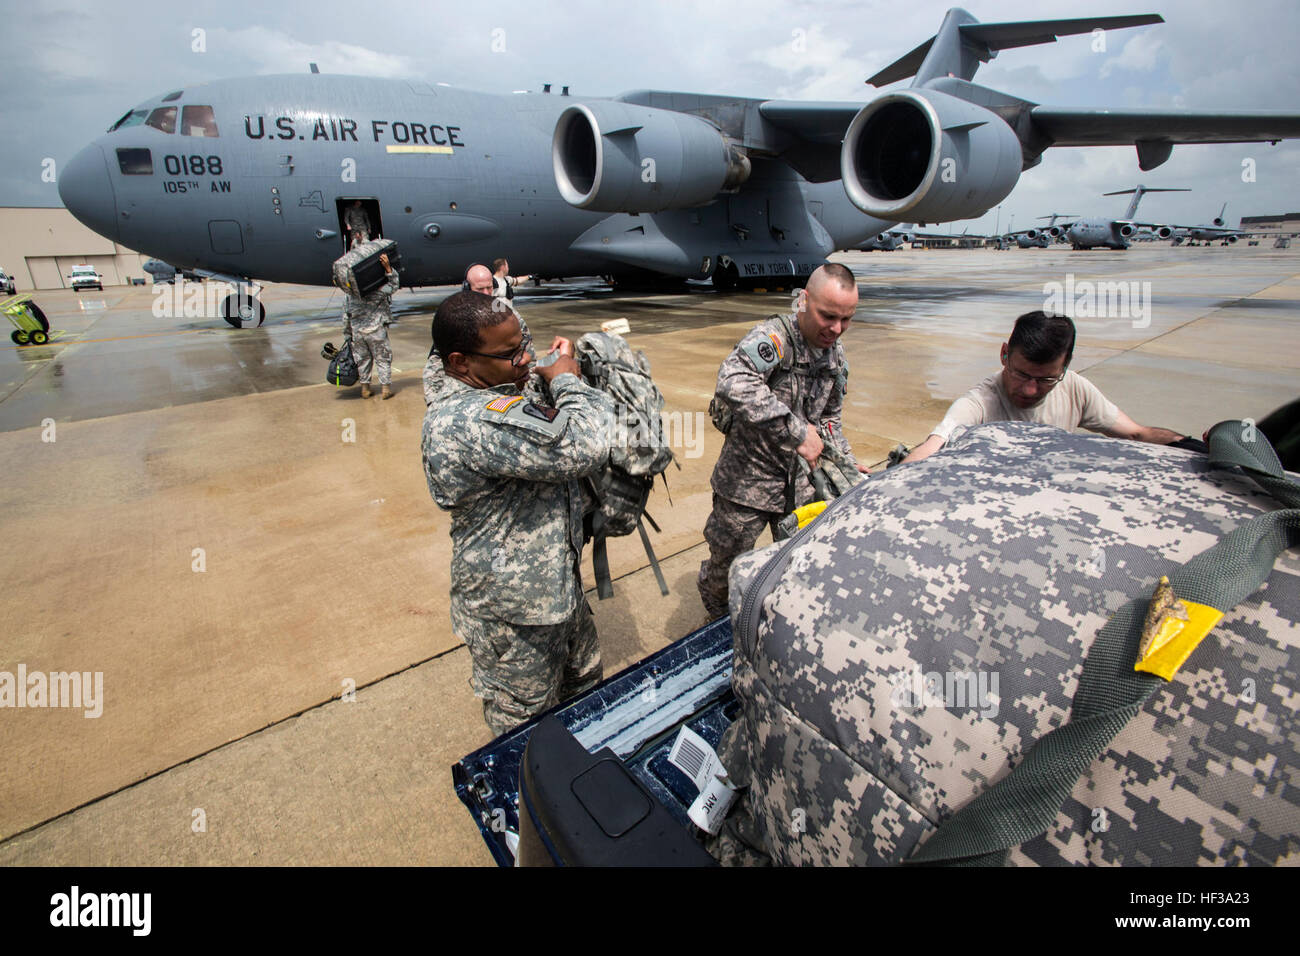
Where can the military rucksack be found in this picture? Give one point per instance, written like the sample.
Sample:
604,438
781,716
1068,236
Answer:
342,369
638,451
957,661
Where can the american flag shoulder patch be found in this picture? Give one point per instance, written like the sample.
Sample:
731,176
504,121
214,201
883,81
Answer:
776,341
503,403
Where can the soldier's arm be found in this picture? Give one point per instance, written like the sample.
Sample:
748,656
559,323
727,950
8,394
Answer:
965,412
541,443
392,285
742,384
1125,427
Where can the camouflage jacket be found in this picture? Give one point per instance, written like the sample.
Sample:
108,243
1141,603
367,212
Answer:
366,316
775,385
507,468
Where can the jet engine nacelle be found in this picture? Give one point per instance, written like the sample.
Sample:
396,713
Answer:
1164,232
1032,234
1126,230
618,157
928,156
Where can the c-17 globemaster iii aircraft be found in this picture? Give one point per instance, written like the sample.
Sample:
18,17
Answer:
247,179
1114,233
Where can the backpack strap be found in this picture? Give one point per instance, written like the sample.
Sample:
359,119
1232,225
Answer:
1024,803
650,553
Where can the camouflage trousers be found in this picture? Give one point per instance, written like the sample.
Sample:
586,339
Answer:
731,530
521,670
372,349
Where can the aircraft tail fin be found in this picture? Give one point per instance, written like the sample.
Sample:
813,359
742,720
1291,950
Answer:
963,43
1218,220
1140,191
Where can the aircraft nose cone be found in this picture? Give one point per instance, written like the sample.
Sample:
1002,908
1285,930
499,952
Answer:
86,190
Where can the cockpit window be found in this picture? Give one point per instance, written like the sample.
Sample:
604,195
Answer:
133,118
135,162
163,118
172,97
198,121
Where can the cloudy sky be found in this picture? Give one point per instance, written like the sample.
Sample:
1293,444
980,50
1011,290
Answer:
85,63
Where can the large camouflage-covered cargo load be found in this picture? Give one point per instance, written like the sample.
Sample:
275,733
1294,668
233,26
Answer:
933,625
359,272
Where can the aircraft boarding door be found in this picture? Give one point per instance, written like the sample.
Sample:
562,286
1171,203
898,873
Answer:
370,206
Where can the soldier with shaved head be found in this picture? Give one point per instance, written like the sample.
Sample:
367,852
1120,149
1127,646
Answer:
778,392
507,468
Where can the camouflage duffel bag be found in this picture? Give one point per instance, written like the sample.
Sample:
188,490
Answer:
961,661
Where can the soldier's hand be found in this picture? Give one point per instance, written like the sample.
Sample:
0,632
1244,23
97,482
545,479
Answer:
563,363
383,261
811,448
864,469
563,346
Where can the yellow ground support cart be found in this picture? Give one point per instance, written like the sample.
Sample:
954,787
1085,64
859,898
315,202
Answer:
30,324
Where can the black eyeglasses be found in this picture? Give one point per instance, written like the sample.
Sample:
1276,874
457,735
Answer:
515,358
1043,381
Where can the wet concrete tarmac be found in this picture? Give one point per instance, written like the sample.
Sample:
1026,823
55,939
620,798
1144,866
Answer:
196,525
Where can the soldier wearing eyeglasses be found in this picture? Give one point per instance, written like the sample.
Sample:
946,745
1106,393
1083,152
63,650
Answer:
1036,385
507,468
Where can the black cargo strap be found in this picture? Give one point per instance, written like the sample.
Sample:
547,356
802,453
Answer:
600,555
650,553
1023,804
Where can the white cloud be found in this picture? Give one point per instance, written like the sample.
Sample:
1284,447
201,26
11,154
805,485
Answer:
1139,55
271,51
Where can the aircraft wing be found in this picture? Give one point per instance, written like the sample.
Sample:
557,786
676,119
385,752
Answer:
1081,126
822,123
825,123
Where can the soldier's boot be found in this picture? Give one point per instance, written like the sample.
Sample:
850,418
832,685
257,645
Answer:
386,393
365,389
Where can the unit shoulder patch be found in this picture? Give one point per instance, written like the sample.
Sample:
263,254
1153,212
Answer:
765,351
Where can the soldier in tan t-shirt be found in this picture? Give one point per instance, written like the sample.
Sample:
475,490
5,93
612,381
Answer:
1035,385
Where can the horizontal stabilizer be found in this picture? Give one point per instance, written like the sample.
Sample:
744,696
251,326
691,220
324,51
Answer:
1148,189
1006,36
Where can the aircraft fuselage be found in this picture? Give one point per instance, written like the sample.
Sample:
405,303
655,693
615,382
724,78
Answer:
254,174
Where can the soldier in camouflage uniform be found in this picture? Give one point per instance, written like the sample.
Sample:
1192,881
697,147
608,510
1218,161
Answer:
783,381
357,223
367,326
507,469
